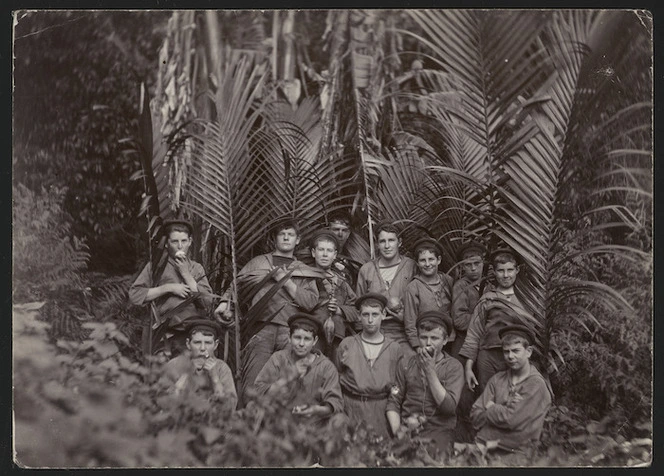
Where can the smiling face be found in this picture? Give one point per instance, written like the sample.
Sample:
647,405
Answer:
371,316
428,262
517,354
505,274
286,240
324,253
341,230
178,241
388,245
472,266
435,339
302,341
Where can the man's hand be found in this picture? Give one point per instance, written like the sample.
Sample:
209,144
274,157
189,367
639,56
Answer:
210,364
332,306
179,289
489,404
312,411
182,266
302,367
427,363
328,329
280,273
471,381
223,314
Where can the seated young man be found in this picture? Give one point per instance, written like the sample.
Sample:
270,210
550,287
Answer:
197,370
511,410
336,309
180,279
389,274
367,364
428,386
307,380
429,290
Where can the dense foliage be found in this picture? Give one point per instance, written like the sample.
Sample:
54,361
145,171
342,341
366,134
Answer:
529,128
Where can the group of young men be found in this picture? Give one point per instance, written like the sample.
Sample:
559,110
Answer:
399,347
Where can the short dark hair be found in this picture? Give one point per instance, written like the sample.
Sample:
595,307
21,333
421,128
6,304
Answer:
506,257
168,229
285,224
516,338
339,215
387,227
203,331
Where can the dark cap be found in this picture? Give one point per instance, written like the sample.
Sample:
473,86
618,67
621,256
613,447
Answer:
471,246
304,318
206,325
185,223
437,318
324,233
518,329
505,250
428,243
382,300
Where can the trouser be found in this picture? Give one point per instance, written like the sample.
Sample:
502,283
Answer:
454,347
464,431
489,363
271,338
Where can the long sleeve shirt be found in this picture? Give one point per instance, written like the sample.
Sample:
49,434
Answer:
318,386
517,416
464,299
421,297
412,394
180,371
282,305
139,290
489,315
369,279
358,376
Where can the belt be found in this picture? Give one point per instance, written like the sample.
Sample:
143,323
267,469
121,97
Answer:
363,397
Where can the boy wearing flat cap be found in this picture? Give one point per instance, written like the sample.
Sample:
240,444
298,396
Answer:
494,310
197,370
181,278
511,410
307,380
430,289
428,386
367,364
336,310
389,274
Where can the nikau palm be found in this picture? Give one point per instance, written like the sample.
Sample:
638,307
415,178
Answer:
507,93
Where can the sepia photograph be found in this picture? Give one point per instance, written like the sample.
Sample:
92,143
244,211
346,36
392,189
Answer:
342,238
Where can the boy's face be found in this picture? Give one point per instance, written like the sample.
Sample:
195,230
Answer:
178,241
302,342
388,244
428,262
202,345
341,230
473,266
324,254
286,240
371,317
516,355
434,339
506,274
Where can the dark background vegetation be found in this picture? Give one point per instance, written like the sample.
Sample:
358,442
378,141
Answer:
78,242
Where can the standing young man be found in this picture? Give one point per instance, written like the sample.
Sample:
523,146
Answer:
304,377
430,289
428,386
336,307
495,310
389,275
298,293
352,251
181,278
367,364
512,408
197,370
